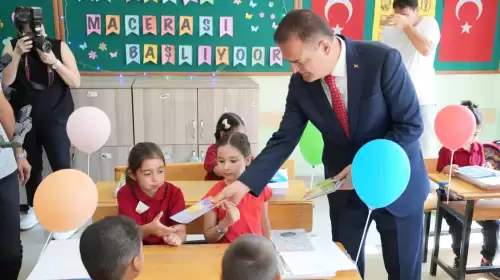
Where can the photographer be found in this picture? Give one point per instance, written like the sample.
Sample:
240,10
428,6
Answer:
41,74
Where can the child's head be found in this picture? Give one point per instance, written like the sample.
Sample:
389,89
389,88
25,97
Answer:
146,166
478,116
111,249
233,154
250,257
229,122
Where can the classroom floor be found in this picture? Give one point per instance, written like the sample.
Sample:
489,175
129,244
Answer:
34,240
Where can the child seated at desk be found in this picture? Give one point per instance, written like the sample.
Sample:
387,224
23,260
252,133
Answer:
248,217
227,123
250,257
472,154
149,200
111,249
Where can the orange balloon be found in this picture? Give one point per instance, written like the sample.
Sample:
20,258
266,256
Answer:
65,200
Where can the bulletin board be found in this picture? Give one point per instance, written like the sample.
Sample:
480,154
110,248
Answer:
205,37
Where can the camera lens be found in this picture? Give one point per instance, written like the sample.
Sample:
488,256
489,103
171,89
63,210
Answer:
46,46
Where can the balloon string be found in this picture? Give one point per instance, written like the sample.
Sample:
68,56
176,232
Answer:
312,178
88,164
449,177
364,234
45,246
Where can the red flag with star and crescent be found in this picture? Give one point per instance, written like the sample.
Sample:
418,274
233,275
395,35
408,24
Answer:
346,17
468,30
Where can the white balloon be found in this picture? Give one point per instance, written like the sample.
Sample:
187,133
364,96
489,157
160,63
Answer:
88,129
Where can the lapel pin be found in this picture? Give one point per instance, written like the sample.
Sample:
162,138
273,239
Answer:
356,66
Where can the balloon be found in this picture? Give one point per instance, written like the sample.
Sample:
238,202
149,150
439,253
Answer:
88,129
311,145
455,126
65,200
380,173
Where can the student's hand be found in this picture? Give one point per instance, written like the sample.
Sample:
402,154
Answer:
172,239
23,45
346,173
232,215
398,20
450,169
157,228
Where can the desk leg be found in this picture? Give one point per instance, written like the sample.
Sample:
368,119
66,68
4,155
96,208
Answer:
464,247
427,228
437,235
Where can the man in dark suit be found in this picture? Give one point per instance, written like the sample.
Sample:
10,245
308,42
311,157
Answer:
353,92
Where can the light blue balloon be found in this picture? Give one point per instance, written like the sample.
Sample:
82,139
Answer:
380,173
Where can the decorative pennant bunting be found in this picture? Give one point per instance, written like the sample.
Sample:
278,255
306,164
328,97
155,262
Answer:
275,56
185,25
222,55
205,55
258,56
172,1
131,25
187,1
206,1
226,26
132,53
112,24
150,54
240,56
149,25
93,24
185,55
167,54
206,26
167,25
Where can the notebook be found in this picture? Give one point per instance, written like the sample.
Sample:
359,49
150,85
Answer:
323,188
479,176
295,240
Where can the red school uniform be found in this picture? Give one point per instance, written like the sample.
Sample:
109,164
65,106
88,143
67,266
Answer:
168,199
210,163
250,208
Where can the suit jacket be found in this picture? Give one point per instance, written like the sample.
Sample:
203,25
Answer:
382,103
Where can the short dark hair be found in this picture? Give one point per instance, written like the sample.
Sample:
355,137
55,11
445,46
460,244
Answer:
108,246
401,4
238,140
141,152
475,110
305,24
226,123
250,257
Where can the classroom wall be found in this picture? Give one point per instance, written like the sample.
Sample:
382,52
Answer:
482,89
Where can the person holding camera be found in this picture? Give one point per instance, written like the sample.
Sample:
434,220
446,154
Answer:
41,74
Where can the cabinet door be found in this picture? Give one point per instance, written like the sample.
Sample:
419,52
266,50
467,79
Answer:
117,104
203,151
214,102
165,116
180,153
255,149
102,162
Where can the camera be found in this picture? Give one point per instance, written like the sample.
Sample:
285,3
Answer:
33,17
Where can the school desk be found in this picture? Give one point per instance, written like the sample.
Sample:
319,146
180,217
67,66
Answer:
467,211
286,212
197,262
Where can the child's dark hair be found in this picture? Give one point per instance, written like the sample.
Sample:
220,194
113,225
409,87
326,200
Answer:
227,122
401,4
250,257
108,246
475,110
141,152
238,140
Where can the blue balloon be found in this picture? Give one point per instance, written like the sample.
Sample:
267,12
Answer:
380,173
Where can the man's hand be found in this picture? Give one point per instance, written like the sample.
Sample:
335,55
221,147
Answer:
233,193
47,58
24,170
398,20
345,174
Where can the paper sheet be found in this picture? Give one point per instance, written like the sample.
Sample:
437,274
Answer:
193,212
291,240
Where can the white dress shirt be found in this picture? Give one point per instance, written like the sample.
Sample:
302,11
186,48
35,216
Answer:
340,76
7,160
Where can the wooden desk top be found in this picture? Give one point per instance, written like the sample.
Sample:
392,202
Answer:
464,189
196,262
194,190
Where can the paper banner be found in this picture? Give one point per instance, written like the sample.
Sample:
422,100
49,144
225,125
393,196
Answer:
222,55
146,1
275,56
185,55
167,25
167,54
93,24
131,25
173,1
185,25
258,55
206,1
226,26
206,26
149,25
240,56
187,1
204,55
112,24
132,53
150,54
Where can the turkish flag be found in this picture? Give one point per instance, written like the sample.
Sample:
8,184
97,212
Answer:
468,30
346,17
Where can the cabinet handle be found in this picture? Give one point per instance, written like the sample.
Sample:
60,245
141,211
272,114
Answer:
201,129
194,129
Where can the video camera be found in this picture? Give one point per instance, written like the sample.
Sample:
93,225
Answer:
33,17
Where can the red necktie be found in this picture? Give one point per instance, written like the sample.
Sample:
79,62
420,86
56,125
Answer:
338,104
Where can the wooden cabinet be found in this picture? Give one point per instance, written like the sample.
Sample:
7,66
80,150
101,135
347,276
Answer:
102,163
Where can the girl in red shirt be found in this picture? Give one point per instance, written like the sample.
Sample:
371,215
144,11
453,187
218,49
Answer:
149,200
228,122
248,217
472,154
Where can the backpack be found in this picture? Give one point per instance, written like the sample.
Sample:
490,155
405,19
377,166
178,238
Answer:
492,153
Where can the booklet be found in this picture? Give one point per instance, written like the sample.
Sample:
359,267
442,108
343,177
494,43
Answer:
192,213
479,176
293,240
323,188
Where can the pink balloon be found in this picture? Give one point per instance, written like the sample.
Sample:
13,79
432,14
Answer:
88,129
455,126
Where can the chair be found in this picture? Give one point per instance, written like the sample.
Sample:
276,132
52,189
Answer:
430,205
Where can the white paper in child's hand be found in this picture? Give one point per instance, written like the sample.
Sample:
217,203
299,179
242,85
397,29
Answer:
141,207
